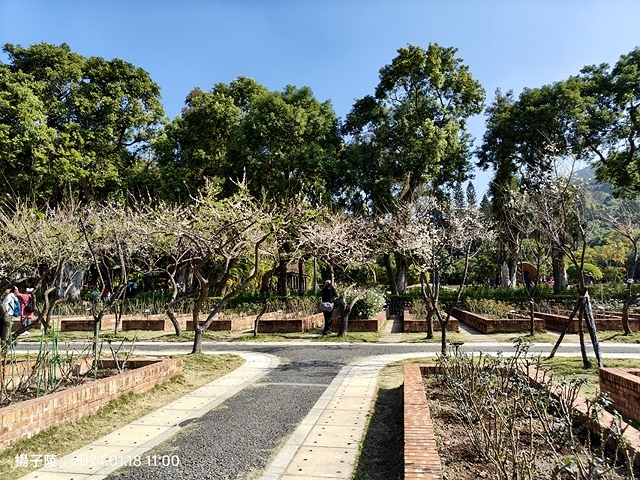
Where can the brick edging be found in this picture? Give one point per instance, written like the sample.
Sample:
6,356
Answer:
421,459
23,420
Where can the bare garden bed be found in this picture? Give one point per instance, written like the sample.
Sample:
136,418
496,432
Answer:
502,418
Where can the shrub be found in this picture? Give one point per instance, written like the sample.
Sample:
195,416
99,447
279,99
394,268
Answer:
572,272
488,307
368,306
613,274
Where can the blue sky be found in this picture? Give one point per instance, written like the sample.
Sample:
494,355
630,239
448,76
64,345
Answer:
336,47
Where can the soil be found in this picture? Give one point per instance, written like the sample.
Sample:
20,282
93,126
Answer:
460,459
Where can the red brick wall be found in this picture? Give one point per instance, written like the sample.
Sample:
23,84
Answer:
291,326
366,325
558,322
488,325
421,460
623,387
412,324
25,419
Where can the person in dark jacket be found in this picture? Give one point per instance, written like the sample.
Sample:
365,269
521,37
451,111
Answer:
329,294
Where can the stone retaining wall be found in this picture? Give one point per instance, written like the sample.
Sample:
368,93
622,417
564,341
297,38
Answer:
25,419
623,387
489,325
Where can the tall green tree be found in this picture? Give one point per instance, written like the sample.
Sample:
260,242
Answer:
100,115
605,124
523,141
284,144
411,136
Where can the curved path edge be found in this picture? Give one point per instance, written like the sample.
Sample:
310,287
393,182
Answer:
125,445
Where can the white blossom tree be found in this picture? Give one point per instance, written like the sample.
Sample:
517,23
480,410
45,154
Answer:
343,242
219,232
432,233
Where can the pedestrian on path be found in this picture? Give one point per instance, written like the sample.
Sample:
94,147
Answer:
329,294
27,305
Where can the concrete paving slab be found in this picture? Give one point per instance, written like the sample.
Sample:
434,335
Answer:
342,417
340,436
132,435
324,462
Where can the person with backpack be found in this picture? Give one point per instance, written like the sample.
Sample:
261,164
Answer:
27,304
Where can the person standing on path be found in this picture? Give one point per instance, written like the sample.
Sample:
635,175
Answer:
12,307
328,296
28,305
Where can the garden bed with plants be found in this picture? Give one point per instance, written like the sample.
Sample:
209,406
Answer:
501,325
22,418
504,418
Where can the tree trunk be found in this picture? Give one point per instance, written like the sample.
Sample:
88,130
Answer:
509,270
402,273
559,270
390,274
591,326
168,308
5,326
625,309
282,279
583,350
532,310
344,321
425,298
443,340
197,340
301,289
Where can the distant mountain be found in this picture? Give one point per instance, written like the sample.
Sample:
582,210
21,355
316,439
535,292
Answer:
588,176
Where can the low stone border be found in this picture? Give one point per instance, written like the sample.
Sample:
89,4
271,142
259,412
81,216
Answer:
25,419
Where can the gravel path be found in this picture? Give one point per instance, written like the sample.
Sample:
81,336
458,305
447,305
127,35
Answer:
240,437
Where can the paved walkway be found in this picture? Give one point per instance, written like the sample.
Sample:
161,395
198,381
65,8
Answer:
129,444
293,411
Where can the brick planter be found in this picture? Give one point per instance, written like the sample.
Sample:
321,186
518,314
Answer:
296,325
489,325
610,322
623,387
421,459
25,419
365,325
229,324
412,324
